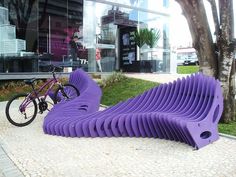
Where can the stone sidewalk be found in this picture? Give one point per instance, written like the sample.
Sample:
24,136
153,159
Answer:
7,166
28,151
35,154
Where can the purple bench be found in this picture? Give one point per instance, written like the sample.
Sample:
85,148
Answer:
87,102
186,110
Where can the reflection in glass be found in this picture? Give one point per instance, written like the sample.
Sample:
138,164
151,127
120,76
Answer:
37,33
18,27
116,21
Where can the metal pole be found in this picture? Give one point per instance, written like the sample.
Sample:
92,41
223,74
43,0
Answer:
49,33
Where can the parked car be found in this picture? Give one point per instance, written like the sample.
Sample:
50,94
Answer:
180,62
191,62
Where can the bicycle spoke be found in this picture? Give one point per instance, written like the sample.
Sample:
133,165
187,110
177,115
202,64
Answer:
66,93
20,111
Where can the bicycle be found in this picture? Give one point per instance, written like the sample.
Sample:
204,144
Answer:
27,104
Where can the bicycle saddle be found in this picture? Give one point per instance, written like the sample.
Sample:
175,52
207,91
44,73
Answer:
29,81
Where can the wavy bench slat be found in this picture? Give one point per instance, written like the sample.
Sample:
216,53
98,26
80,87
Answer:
186,110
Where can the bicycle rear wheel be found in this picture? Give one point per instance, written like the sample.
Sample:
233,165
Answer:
65,93
20,111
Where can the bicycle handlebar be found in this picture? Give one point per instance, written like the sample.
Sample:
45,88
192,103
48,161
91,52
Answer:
53,68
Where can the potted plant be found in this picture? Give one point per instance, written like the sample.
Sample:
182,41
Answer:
140,37
150,37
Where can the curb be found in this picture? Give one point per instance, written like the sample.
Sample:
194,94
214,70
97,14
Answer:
227,136
7,166
104,106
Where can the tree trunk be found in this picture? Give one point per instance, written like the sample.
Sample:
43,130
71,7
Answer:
19,15
214,59
21,30
226,58
200,31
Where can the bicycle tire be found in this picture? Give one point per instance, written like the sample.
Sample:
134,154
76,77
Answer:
11,108
65,93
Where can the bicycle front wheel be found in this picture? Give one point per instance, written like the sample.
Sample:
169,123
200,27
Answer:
20,111
65,93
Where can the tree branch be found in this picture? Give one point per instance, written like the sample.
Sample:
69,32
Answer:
215,16
2,2
24,4
20,6
9,6
16,6
44,14
195,14
14,2
227,19
29,9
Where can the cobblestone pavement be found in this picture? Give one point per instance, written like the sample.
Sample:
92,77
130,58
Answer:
37,154
7,166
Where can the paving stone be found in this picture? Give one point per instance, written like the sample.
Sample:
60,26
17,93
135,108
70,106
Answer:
12,173
7,167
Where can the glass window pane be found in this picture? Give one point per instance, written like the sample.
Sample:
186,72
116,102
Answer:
70,33
60,21
18,41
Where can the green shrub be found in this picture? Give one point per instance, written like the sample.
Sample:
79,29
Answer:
10,88
115,77
11,84
95,76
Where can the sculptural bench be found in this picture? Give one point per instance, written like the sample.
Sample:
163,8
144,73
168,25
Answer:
87,102
186,110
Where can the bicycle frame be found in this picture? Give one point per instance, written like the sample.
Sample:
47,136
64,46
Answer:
35,94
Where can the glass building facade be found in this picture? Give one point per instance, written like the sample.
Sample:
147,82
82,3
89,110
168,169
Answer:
37,33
